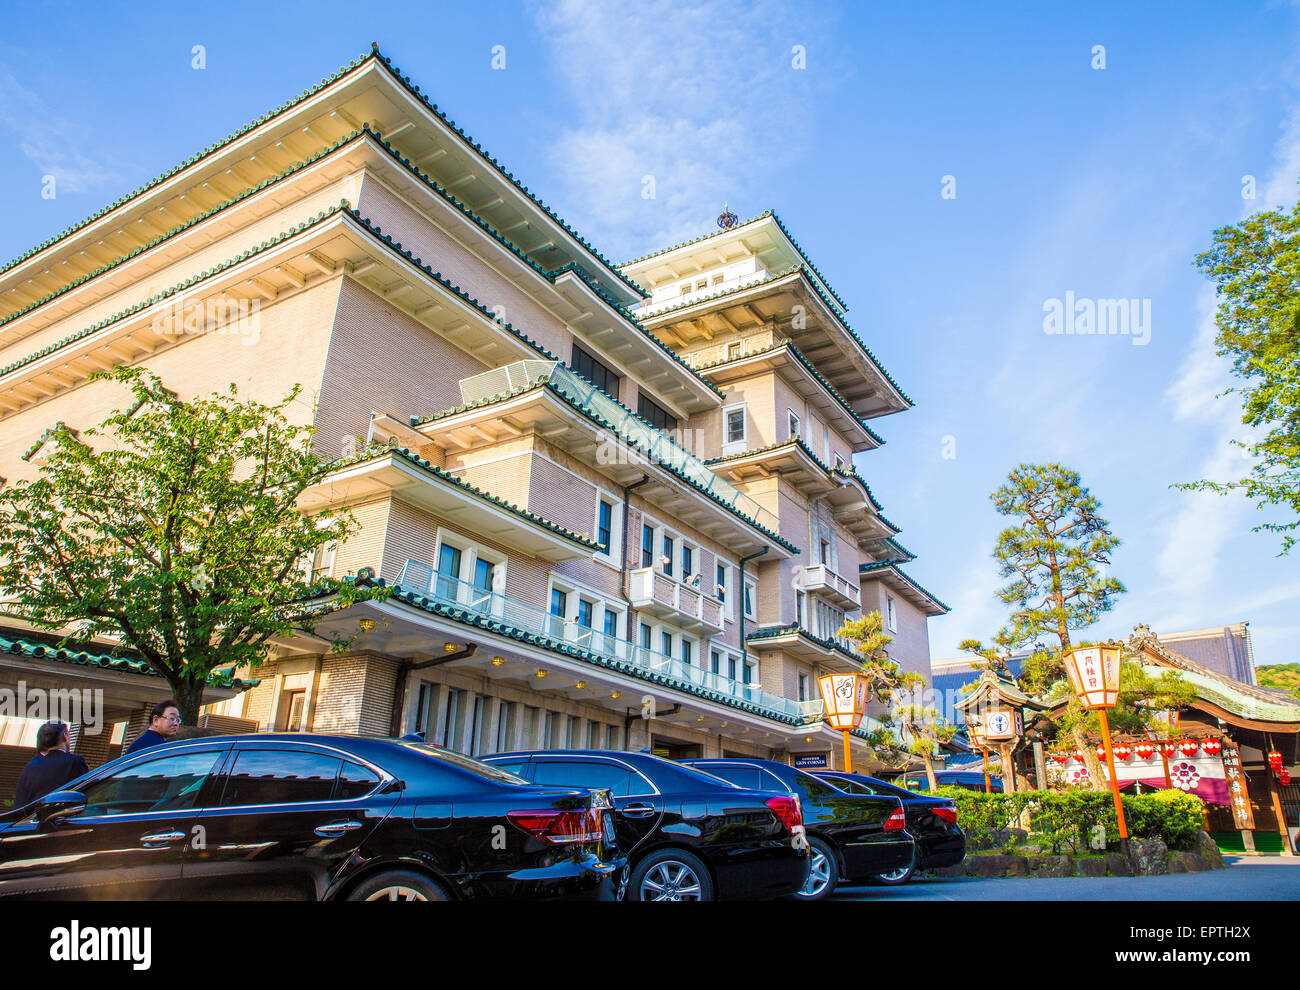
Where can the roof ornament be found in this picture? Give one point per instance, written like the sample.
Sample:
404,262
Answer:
727,219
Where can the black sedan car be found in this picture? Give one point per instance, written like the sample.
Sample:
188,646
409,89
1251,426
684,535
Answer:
309,817
931,820
852,837
688,836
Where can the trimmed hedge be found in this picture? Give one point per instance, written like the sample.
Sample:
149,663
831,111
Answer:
1067,820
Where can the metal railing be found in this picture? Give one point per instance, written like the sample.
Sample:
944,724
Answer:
421,579
627,424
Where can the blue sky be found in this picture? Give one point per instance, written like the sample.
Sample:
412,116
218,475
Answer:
1102,182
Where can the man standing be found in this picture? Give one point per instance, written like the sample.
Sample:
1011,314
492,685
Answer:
164,720
51,767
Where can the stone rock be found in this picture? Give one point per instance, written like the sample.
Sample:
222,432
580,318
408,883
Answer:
1187,862
997,866
1089,867
1208,850
957,870
1148,857
1117,865
1051,866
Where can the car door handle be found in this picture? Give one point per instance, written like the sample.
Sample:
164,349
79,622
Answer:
336,828
637,810
161,837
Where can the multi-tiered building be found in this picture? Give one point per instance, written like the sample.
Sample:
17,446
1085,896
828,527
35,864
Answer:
617,506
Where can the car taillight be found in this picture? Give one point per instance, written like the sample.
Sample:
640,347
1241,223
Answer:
787,810
896,820
948,814
559,826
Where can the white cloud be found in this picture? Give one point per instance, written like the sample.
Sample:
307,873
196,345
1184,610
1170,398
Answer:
53,143
702,97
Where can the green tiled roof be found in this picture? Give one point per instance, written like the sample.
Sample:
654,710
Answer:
792,442
20,644
794,629
502,628
746,223
30,452
844,403
178,287
352,66
772,277
853,473
579,538
545,383
893,566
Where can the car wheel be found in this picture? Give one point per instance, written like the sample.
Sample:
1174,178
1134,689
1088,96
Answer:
896,877
823,872
398,885
670,875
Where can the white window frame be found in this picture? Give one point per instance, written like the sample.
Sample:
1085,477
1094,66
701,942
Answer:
891,613
729,581
793,423
574,591
730,446
752,585
470,553
614,556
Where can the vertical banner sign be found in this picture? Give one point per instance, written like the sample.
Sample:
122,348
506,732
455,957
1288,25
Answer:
1237,794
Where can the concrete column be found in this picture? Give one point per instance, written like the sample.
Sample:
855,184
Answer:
93,747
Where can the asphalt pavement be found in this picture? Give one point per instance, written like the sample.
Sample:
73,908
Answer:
1247,878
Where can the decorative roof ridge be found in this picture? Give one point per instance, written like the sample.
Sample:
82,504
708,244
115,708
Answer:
852,472
498,625
194,159
591,283
207,273
783,273
1142,636
445,475
15,643
414,90
794,629
745,223
791,442
192,222
30,452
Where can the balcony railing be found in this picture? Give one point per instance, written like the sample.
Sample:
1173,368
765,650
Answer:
423,580
626,423
838,590
661,594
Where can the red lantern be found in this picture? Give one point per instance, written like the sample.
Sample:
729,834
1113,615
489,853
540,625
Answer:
1188,747
1284,777
1101,753
1123,751
1144,750
1058,757
1078,756
1275,761
1167,749
1212,747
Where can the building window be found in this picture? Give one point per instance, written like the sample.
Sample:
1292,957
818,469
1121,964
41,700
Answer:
449,559
688,651
794,423
734,425
667,559
717,279
549,738
505,725
586,610
466,569
450,725
824,548
702,284
733,350
839,463
723,581
798,608
595,372
604,525
612,740
655,414
751,592
891,614
645,636
559,603
803,687
688,562
611,623
423,706
686,289
647,546
666,643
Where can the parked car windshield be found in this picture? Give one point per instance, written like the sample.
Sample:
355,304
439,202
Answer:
463,762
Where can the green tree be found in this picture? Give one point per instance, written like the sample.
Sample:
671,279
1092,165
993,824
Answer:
921,728
173,527
1255,266
1055,557
1285,676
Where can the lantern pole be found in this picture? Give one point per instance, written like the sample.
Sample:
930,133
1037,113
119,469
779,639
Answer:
1169,781
988,782
1114,782
848,759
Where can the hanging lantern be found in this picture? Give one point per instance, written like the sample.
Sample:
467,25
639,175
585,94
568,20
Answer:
1284,777
1101,753
1188,747
1094,675
1123,751
1077,756
1167,749
1212,747
1144,750
1059,757
1275,761
845,699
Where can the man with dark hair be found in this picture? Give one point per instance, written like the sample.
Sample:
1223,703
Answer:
164,720
51,767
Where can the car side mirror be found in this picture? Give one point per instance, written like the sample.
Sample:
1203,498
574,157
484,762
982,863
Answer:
58,805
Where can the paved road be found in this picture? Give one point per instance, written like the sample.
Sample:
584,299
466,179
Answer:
1248,878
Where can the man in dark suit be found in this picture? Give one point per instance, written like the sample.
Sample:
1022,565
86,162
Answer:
164,720
51,767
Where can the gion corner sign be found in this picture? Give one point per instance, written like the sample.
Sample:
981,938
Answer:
1094,675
